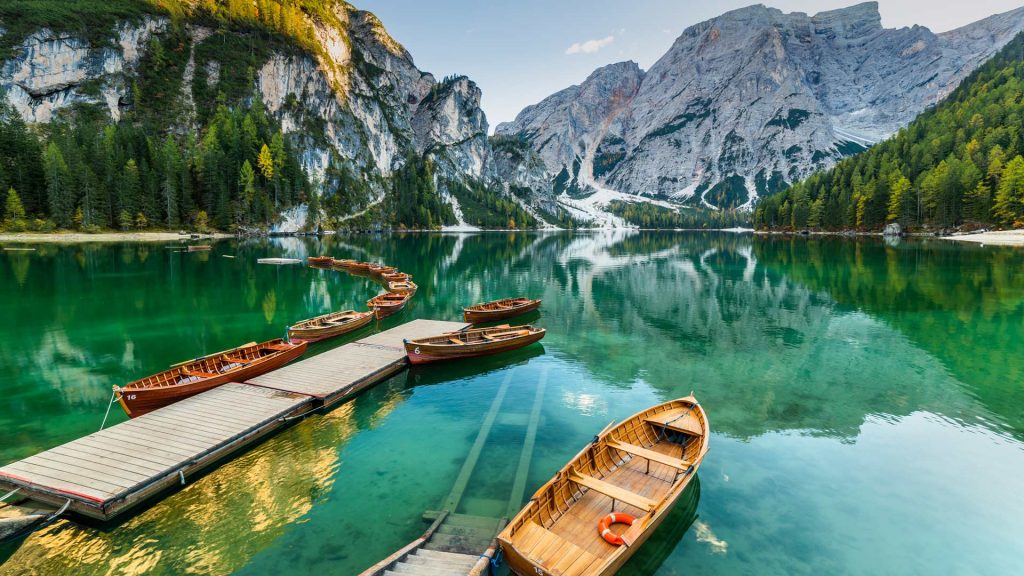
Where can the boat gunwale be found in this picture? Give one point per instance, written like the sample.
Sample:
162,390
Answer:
542,499
304,324
479,308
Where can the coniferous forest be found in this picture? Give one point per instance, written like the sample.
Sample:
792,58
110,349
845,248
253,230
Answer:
959,163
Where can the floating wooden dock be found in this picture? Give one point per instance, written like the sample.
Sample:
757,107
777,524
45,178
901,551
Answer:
113,470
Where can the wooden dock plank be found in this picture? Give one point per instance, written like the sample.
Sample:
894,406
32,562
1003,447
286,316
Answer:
157,454
109,468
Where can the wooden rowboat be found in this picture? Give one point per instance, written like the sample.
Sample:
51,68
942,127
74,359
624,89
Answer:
381,269
320,260
358,266
499,309
396,277
386,304
471,343
402,287
328,326
638,468
343,263
202,374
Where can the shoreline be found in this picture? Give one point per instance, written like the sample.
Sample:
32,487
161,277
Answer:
81,237
994,238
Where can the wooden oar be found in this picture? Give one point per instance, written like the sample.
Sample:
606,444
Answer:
212,355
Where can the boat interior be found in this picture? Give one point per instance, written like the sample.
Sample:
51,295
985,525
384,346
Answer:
213,366
336,319
496,334
630,470
501,304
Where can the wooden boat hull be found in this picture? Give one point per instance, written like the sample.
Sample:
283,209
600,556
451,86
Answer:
475,316
402,287
320,260
396,277
383,309
316,334
139,401
546,539
380,270
419,352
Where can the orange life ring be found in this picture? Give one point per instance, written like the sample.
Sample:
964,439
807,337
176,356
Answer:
614,518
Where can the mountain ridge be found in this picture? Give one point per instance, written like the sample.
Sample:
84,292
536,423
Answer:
753,100
345,93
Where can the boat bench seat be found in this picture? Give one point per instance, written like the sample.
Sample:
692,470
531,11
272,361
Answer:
613,491
678,420
277,347
555,553
507,334
455,341
650,454
199,374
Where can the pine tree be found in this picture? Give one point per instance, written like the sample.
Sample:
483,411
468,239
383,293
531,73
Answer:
169,183
266,163
59,194
14,212
1009,205
131,189
247,184
900,201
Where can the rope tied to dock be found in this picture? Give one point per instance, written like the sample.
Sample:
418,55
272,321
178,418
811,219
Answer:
113,398
9,494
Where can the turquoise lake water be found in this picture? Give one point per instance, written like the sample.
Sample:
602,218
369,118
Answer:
866,399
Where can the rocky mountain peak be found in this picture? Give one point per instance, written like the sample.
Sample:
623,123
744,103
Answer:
745,103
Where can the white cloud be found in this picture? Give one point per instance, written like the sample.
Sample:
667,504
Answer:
590,46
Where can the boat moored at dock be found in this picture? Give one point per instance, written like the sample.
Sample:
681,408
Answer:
402,287
328,326
380,269
320,260
471,343
396,277
204,373
386,304
499,309
631,474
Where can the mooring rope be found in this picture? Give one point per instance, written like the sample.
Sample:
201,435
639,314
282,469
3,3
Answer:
663,433
9,494
113,398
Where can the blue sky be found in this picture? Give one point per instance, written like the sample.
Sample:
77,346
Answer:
522,51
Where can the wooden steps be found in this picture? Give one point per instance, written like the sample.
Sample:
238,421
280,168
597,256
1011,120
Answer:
424,562
463,534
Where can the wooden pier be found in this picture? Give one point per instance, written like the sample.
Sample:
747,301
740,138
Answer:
113,470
